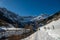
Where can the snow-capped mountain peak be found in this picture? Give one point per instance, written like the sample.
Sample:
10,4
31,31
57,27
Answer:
42,16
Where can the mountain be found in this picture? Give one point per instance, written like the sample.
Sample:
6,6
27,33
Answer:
20,21
40,17
8,14
9,19
13,18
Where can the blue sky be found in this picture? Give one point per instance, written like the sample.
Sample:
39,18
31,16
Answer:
31,7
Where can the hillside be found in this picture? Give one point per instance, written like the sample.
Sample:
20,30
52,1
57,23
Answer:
49,31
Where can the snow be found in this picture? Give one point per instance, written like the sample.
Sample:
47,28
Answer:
13,31
52,32
39,35
42,16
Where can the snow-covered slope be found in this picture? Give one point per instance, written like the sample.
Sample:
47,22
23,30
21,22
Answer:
39,35
53,29
50,31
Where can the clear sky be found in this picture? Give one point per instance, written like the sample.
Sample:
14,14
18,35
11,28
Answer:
31,7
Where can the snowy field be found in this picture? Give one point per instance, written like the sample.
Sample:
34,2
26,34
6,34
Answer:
13,31
50,31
